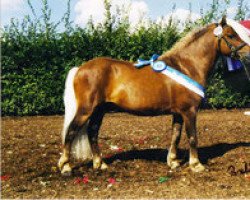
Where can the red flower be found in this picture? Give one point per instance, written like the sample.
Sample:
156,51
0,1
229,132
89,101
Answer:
77,181
85,179
5,177
111,180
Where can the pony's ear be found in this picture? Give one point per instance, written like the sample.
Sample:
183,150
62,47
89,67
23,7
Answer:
223,21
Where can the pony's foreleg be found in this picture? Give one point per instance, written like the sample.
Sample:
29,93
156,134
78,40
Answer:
190,126
176,135
93,131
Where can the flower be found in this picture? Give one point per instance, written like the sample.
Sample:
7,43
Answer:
85,179
5,178
77,181
112,181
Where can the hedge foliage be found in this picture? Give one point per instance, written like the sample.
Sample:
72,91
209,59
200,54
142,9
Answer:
36,57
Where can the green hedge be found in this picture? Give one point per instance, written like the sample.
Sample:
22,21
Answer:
35,62
36,59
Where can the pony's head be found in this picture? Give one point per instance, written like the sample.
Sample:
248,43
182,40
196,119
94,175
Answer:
233,38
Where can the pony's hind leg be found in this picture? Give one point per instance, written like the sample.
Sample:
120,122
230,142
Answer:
190,125
72,133
176,135
93,131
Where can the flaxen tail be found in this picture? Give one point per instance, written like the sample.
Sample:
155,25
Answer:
80,147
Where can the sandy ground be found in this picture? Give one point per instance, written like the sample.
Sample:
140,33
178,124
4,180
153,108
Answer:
135,149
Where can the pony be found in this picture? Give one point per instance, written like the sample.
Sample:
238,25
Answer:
91,88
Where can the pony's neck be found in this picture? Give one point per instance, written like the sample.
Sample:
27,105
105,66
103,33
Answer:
194,57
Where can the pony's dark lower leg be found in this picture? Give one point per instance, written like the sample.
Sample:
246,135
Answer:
176,135
73,129
93,131
190,125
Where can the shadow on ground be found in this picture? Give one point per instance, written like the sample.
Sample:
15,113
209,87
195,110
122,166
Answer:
205,153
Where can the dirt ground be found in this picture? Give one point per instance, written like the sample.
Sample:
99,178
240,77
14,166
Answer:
135,149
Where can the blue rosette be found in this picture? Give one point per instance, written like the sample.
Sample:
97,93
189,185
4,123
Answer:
141,63
159,66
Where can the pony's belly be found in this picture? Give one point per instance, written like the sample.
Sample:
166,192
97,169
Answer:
145,106
142,99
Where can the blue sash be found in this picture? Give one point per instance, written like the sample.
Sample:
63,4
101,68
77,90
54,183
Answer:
160,66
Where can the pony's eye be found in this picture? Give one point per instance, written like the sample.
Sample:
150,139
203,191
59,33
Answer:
231,36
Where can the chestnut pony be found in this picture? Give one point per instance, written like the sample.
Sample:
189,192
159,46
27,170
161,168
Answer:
102,81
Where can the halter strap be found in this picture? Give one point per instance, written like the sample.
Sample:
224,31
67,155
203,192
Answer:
233,49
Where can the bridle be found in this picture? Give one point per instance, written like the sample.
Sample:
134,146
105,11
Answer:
234,49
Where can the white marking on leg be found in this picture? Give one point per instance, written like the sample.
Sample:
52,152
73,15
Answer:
173,163
193,161
195,165
172,155
96,162
66,169
104,166
63,159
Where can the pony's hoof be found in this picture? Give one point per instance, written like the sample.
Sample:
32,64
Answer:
197,167
66,170
60,165
174,164
61,162
104,166
97,163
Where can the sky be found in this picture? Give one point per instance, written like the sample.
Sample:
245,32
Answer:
81,10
